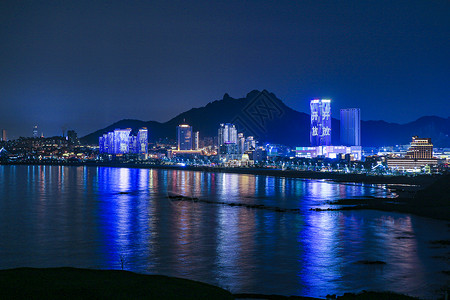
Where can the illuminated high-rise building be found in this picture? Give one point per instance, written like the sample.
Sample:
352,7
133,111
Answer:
121,141
351,127
184,137
196,140
35,132
227,134
228,141
102,144
132,144
142,141
4,138
320,134
241,143
110,142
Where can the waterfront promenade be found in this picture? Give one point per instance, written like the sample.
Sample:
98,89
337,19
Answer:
417,179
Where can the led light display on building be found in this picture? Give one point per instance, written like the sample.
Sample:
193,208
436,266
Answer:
320,134
121,141
142,138
332,152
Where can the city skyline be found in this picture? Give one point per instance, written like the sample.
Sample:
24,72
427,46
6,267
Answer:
290,128
62,62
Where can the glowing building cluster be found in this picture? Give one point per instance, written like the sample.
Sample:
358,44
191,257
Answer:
232,145
320,134
122,141
227,134
228,141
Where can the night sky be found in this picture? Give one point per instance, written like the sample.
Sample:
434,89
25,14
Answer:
83,65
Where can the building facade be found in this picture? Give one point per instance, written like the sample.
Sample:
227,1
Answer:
184,137
142,141
320,133
333,152
227,134
228,147
121,143
250,144
420,148
196,140
350,127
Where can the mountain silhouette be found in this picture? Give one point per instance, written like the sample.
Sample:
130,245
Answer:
264,116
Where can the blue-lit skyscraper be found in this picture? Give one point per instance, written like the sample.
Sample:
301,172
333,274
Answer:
121,141
35,132
142,141
184,137
110,142
320,134
351,127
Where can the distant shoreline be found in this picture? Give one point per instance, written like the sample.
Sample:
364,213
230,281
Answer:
419,180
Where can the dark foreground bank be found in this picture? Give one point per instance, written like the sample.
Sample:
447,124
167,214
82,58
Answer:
72,283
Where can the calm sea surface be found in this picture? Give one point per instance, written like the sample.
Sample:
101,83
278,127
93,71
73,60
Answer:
102,217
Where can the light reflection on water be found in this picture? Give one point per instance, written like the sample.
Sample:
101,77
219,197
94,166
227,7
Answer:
98,217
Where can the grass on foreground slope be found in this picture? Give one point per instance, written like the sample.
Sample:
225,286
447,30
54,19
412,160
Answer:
71,283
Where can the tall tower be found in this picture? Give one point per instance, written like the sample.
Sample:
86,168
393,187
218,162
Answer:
196,140
351,127
227,134
35,132
184,137
227,141
320,134
121,144
142,141
4,139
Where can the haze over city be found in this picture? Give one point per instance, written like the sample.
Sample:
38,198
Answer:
84,65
